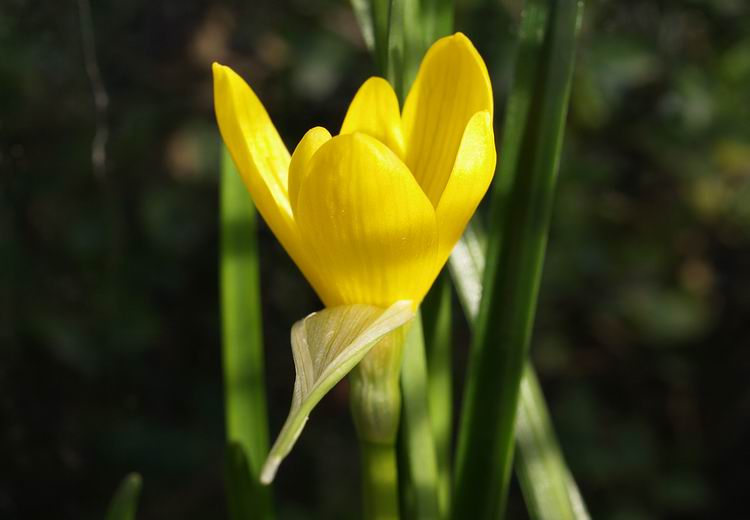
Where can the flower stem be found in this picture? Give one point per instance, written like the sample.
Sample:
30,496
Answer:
379,481
376,408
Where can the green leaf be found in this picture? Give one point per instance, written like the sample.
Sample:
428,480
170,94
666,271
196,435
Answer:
436,19
467,267
125,502
419,478
398,33
406,45
548,488
242,499
381,15
242,334
326,345
436,312
546,482
363,12
519,216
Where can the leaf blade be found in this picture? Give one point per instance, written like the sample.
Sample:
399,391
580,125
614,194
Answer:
546,483
124,503
246,414
437,319
417,446
520,214
466,267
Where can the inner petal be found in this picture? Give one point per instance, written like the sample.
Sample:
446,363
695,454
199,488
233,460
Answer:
374,111
452,85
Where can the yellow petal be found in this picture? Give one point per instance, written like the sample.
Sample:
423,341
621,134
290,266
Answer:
261,158
451,86
299,166
469,181
374,111
367,224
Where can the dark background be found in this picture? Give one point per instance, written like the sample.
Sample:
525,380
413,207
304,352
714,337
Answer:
109,319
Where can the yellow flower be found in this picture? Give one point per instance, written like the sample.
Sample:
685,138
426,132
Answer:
372,214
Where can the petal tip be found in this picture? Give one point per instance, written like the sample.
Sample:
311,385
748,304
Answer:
375,79
458,36
217,68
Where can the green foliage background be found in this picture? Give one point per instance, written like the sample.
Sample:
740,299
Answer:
109,324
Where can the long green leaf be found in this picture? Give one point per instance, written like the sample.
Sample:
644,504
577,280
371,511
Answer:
381,15
363,11
241,503
437,320
520,214
548,487
242,334
125,501
437,19
417,448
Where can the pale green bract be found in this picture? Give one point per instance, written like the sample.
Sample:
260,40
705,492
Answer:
326,345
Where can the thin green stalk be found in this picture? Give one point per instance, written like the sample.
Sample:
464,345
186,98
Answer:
375,400
125,501
417,447
242,335
436,310
379,478
517,243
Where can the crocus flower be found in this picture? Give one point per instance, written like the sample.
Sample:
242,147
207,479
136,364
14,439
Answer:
371,215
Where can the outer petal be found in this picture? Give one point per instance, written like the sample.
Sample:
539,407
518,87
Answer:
367,224
374,111
469,181
452,85
299,166
261,158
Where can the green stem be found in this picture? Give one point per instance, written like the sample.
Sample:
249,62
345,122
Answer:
375,399
379,481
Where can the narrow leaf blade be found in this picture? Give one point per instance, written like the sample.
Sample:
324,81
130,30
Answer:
437,318
417,446
242,488
520,213
363,12
535,434
546,483
125,501
242,335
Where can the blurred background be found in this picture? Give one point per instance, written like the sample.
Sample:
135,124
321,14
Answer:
109,319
